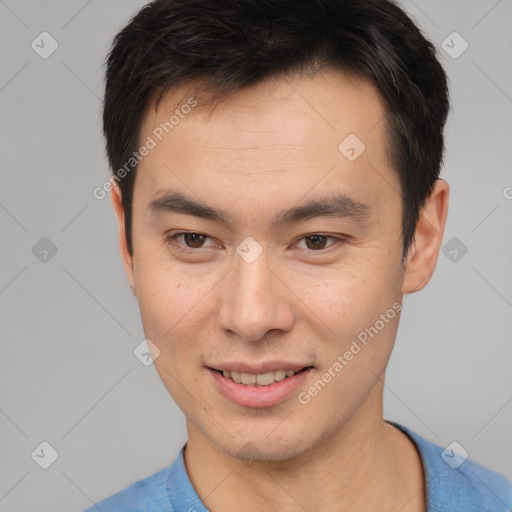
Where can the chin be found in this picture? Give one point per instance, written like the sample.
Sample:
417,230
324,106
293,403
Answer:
264,445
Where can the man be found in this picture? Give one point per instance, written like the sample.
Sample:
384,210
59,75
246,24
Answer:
276,183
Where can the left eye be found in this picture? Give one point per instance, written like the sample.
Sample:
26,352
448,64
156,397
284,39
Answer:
317,242
193,240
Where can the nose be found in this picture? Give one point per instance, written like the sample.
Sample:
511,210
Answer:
255,300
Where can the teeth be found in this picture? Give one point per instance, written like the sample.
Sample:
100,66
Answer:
264,379
279,375
261,379
248,378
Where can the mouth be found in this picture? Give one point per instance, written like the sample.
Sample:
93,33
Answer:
260,379
259,390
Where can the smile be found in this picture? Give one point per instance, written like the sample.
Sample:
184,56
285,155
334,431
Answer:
259,379
257,390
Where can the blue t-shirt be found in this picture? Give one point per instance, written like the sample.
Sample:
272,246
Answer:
452,485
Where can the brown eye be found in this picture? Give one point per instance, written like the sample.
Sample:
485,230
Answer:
190,240
316,242
319,243
194,240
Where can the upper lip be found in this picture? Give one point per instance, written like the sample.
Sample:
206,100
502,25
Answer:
256,368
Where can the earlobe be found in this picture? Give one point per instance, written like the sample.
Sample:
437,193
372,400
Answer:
117,204
424,251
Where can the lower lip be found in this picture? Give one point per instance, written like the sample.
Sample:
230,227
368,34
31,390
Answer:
258,396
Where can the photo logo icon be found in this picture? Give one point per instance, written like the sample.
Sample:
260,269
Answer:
454,45
44,455
454,455
44,250
351,147
454,249
44,45
249,250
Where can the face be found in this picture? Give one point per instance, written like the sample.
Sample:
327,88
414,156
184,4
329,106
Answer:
245,286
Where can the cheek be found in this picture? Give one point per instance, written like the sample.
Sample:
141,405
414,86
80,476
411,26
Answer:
170,313
169,303
355,357
346,306
335,301
345,300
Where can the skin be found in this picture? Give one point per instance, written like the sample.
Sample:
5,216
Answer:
263,149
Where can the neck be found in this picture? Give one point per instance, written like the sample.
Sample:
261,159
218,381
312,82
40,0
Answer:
366,465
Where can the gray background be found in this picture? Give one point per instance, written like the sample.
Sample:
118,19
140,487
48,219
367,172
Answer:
69,324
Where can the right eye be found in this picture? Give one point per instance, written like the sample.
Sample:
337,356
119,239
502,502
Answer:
192,240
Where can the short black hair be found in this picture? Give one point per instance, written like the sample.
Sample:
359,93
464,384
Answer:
229,44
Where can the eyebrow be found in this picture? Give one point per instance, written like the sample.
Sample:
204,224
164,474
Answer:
333,205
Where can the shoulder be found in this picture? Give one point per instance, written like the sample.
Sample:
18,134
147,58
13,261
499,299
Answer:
149,494
167,490
455,482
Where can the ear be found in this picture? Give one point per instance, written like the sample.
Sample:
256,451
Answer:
117,203
424,251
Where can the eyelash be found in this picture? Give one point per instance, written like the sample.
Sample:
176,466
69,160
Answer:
171,239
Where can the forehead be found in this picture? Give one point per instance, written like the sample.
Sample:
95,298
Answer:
276,141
